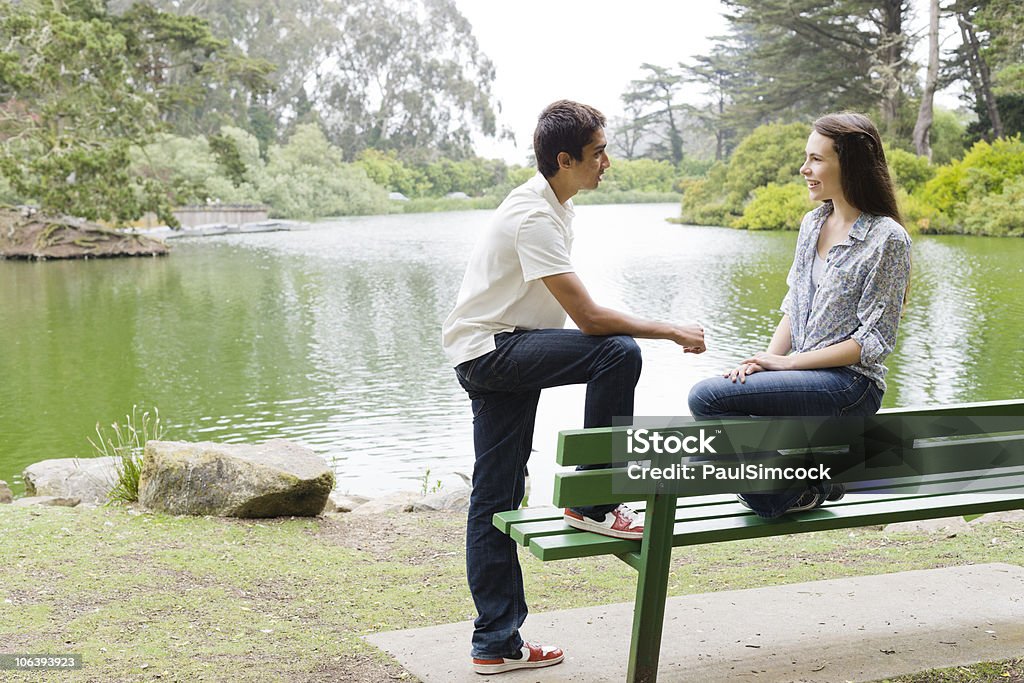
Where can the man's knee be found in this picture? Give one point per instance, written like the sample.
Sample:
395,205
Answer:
628,351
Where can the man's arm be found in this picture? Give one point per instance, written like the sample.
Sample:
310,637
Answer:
596,320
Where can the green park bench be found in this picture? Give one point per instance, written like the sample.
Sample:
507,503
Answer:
914,464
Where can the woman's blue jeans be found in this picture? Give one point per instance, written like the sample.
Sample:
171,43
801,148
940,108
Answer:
505,386
829,392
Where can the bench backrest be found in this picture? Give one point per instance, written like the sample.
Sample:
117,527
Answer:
902,442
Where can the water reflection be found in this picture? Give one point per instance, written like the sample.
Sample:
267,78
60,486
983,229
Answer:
331,336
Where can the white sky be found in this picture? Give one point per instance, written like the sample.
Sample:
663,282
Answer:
589,50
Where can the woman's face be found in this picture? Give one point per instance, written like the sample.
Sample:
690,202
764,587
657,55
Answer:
821,169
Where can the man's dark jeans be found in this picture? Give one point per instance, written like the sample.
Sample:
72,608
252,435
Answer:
505,386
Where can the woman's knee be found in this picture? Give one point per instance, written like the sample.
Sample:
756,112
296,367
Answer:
705,397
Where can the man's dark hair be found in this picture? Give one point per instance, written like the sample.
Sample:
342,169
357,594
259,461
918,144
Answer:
564,126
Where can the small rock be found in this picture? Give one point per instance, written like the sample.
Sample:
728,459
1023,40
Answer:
945,524
47,500
400,501
6,495
1008,516
344,502
453,501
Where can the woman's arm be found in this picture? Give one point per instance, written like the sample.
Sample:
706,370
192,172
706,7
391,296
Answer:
838,355
777,357
782,340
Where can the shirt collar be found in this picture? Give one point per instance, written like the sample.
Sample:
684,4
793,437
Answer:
859,229
539,184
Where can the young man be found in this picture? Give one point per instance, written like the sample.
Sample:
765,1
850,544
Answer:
505,338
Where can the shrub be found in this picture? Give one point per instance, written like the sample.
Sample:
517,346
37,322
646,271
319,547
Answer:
644,175
704,202
1000,215
947,138
306,178
908,170
776,207
981,172
772,153
919,215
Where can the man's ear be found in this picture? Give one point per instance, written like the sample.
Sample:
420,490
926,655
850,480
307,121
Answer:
564,160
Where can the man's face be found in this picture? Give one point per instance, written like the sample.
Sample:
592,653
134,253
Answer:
588,171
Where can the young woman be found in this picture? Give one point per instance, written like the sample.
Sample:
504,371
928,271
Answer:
847,287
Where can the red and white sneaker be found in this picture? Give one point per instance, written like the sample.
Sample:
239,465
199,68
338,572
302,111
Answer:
621,522
530,657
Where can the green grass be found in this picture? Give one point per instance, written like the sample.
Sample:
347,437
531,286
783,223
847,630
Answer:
207,599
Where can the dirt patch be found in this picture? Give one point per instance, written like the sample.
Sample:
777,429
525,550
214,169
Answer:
40,237
416,538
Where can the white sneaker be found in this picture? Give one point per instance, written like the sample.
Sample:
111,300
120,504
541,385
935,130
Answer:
531,657
621,522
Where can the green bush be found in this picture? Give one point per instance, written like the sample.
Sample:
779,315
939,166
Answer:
1000,215
643,175
981,172
919,215
776,207
704,202
7,193
625,197
307,178
772,153
947,137
908,170
190,170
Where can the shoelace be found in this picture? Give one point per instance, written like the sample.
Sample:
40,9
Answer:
629,515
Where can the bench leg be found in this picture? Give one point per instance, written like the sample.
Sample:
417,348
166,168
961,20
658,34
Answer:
651,589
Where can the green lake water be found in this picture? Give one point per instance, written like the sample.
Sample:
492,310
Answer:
331,336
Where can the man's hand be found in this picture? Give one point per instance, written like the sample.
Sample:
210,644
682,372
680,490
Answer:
690,337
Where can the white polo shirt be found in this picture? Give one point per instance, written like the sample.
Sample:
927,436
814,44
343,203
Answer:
529,237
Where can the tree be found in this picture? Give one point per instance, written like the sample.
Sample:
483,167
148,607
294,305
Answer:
805,57
402,75
723,74
977,68
655,95
925,115
83,87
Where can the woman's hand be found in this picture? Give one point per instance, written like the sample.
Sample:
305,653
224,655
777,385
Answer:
741,371
758,363
770,361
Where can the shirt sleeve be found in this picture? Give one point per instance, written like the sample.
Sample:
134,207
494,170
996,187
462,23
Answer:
542,247
881,301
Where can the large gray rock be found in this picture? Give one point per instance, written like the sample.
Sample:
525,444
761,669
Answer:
88,479
6,495
273,479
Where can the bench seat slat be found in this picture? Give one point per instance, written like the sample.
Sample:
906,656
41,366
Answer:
582,544
548,521
865,510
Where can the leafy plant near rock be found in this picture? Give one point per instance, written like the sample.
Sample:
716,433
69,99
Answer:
127,443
